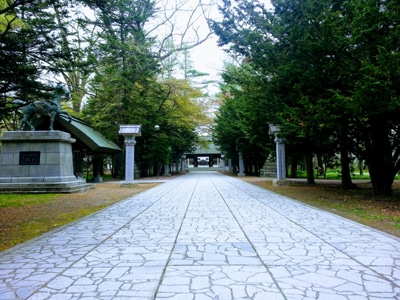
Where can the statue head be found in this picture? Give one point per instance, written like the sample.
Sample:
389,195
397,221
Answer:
60,90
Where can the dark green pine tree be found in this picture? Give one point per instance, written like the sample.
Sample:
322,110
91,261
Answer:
333,70
27,41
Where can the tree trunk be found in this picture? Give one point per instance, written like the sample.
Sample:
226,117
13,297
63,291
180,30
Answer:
346,184
293,167
320,169
118,165
380,158
310,168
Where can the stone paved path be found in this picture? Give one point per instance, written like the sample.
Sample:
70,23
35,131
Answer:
205,236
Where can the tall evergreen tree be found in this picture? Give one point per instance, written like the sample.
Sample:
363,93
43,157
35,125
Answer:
330,79
243,117
27,43
127,63
376,96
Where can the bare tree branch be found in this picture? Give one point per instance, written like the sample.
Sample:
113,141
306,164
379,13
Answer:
194,31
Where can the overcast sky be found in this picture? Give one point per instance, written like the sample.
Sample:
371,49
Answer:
210,58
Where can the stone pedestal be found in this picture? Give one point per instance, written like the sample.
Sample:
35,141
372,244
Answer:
129,184
281,182
268,170
38,162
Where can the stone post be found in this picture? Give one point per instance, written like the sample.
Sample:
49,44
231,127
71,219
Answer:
241,165
185,164
130,143
129,132
280,157
166,170
221,164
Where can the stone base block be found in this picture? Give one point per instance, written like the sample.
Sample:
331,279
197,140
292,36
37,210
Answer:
97,179
44,187
39,179
268,170
281,182
129,184
38,162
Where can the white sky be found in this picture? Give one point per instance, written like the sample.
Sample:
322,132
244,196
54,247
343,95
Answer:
208,57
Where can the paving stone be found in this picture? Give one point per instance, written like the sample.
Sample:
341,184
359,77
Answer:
205,236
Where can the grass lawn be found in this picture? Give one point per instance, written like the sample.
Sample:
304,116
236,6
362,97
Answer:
23,217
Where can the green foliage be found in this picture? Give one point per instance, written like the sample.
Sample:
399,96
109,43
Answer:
242,121
126,68
333,75
28,38
128,90
177,113
109,54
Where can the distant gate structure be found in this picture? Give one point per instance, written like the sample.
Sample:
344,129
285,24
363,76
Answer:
204,157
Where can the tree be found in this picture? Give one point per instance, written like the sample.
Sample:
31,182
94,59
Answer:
27,42
242,121
178,115
127,66
329,73
310,63
128,87
78,38
171,105
269,42
375,98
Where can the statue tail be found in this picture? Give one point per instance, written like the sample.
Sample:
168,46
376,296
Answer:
17,101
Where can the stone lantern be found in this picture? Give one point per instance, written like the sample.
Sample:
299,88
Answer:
280,156
129,132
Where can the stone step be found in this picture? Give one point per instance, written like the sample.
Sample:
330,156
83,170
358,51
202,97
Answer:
44,188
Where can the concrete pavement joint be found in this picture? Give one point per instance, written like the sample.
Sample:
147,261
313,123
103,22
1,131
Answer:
366,261
252,245
334,261
205,236
174,245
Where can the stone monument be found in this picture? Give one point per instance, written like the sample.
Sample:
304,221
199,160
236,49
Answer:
269,168
38,162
